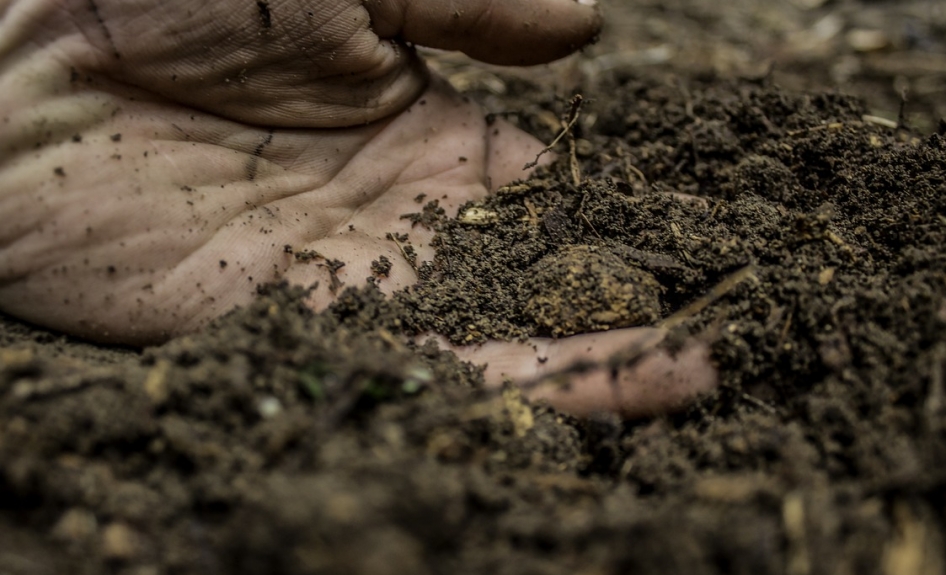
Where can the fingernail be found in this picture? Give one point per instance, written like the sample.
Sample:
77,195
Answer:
588,2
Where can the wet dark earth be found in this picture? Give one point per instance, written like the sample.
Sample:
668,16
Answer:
798,227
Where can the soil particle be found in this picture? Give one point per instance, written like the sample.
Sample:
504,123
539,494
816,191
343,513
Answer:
381,267
265,15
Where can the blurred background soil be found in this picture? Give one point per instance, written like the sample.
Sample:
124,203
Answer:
882,51
279,441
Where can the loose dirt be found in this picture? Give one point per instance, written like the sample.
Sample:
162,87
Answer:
794,231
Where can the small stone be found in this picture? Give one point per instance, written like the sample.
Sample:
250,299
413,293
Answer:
420,373
155,384
269,407
476,216
863,40
584,148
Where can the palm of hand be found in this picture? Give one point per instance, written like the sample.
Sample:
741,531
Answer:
139,217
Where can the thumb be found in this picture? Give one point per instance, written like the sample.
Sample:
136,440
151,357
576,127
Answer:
507,32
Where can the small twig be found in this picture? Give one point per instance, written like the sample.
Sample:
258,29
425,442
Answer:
588,223
701,303
567,123
838,241
628,166
902,113
795,525
783,334
533,217
758,403
404,254
831,126
878,121
935,402
573,160
581,214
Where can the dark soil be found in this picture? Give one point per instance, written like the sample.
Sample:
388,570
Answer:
801,237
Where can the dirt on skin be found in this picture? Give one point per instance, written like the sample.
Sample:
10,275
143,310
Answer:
805,242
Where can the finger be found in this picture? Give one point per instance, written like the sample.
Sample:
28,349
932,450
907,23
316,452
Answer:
275,63
658,383
508,32
661,382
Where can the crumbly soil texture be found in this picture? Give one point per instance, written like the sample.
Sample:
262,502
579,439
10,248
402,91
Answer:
798,235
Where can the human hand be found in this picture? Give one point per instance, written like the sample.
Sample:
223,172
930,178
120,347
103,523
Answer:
158,157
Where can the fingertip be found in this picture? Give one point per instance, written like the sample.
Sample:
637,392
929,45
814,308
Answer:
538,31
659,382
513,32
650,380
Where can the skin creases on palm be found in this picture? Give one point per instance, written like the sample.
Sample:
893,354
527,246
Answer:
158,219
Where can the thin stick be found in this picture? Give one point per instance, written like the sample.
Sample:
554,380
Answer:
404,255
568,123
701,303
637,352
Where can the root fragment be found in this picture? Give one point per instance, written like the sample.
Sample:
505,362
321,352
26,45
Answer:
568,122
718,291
